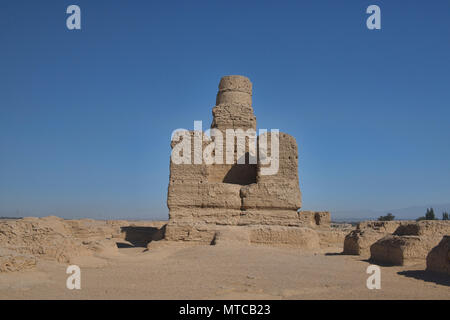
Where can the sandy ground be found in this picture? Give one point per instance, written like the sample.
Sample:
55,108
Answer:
180,271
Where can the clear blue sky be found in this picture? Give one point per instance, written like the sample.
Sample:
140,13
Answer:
86,116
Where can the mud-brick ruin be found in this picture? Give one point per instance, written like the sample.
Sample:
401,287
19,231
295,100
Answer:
236,202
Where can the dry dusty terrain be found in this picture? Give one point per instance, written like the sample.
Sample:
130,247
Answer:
182,271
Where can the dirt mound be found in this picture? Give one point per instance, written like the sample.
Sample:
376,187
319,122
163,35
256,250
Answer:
48,237
13,261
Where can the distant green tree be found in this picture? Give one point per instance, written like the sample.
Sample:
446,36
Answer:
388,217
445,216
429,215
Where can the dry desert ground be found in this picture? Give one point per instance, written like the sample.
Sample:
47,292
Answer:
183,270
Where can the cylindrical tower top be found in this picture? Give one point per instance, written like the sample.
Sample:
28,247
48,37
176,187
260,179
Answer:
235,83
234,89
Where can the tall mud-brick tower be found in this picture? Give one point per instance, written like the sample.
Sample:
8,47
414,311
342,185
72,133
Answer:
206,200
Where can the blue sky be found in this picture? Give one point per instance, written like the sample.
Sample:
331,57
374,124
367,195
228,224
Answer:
86,116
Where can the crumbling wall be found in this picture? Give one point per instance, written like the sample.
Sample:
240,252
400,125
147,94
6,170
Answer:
202,198
438,260
358,241
23,242
410,243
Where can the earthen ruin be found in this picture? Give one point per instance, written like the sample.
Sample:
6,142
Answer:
206,201
402,243
24,242
438,260
410,243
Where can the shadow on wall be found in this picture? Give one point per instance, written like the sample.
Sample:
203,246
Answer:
243,174
141,236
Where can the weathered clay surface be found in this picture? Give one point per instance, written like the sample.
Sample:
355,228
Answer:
410,243
438,260
201,225
358,241
231,235
12,261
235,90
330,237
48,237
398,250
203,198
429,228
302,237
24,241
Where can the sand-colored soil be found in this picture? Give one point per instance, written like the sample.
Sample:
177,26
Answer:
181,271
